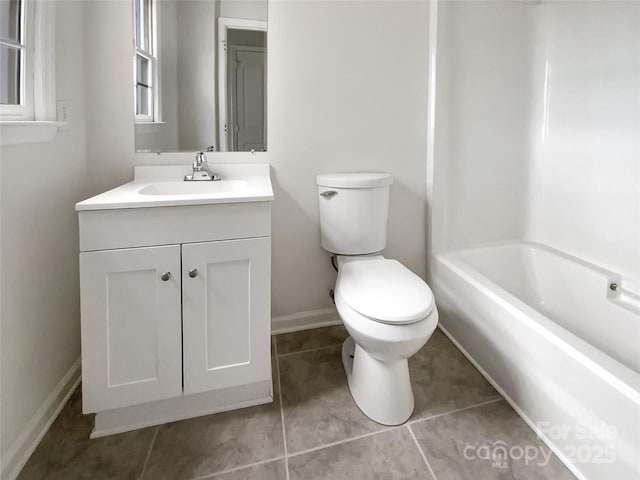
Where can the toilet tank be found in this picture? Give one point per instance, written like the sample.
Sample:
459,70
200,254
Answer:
354,208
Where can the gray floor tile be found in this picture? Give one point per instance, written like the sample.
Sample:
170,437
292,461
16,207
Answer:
265,471
310,339
66,453
388,455
206,445
318,408
443,379
452,444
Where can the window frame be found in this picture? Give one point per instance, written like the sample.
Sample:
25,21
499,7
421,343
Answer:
40,124
24,110
151,55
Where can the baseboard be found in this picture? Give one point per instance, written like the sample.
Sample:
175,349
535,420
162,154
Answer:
323,317
159,412
541,435
34,430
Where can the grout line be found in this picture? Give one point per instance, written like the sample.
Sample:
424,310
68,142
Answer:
388,429
284,433
347,440
422,454
146,460
333,444
235,469
307,350
475,405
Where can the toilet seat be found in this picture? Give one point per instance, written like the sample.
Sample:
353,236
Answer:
385,291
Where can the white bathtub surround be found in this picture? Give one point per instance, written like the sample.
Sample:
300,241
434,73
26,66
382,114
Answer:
585,126
536,127
535,139
544,328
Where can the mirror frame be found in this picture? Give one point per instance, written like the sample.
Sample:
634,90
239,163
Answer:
224,24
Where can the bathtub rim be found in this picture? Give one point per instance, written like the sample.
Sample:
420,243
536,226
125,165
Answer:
625,379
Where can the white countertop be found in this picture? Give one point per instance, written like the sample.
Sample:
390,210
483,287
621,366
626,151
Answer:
239,183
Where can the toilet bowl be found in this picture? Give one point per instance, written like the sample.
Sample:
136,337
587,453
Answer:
388,310
390,314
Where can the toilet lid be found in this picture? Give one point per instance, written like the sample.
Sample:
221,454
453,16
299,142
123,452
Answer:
385,291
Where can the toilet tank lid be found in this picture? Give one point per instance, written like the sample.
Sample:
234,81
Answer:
355,179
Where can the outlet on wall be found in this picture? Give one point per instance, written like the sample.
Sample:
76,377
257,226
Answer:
62,110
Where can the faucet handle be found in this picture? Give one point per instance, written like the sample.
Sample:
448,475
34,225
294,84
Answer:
200,157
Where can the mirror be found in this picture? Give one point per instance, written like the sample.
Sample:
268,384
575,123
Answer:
200,75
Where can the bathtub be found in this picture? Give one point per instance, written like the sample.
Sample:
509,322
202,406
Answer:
558,340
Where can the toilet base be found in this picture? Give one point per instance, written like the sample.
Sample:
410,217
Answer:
382,390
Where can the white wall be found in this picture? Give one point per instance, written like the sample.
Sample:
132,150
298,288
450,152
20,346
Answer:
347,91
40,183
585,176
197,57
109,112
249,9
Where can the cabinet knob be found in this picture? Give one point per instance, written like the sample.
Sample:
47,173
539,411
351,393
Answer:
193,273
165,276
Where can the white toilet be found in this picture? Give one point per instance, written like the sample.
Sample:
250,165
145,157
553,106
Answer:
389,311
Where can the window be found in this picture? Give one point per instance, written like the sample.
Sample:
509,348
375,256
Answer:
16,61
146,62
27,71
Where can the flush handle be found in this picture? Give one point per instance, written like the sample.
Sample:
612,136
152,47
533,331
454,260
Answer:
328,193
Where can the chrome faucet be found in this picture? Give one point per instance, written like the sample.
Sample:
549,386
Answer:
201,171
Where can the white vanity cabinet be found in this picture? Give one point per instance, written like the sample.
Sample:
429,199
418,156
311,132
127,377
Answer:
158,321
175,311
226,313
131,326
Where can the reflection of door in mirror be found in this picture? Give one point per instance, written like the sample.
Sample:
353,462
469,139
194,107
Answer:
181,87
246,96
242,84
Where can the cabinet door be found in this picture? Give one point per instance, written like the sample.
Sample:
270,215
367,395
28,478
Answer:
131,331
226,313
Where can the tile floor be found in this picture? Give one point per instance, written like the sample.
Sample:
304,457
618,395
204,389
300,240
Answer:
313,430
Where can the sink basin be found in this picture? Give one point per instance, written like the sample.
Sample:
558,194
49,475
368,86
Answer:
193,188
